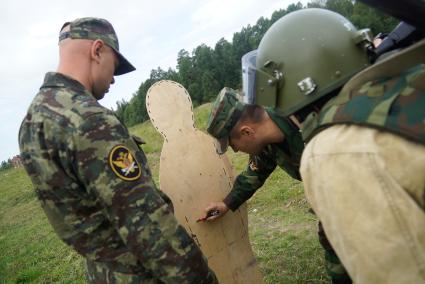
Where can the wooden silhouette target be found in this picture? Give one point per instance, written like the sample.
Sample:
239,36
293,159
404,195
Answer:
192,174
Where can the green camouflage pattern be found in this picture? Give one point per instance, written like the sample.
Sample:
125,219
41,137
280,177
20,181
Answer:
120,226
96,28
225,112
102,273
395,104
286,155
334,267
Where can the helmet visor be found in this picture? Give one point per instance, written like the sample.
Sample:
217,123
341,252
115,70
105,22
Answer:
248,76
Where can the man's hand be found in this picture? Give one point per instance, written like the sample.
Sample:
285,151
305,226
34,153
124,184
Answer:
214,210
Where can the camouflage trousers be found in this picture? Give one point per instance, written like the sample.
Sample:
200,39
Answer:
334,267
367,187
101,273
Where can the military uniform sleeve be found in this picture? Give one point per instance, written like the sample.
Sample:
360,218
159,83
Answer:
252,178
115,170
289,159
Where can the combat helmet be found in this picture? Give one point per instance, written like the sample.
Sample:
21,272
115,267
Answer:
302,57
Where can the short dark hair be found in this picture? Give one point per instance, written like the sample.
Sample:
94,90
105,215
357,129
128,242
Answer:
252,113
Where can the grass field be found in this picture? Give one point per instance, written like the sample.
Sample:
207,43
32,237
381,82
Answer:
282,231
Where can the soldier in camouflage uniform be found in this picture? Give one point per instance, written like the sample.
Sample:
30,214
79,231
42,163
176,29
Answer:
272,140
92,178
364,162
268,137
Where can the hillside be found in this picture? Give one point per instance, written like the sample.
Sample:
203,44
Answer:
282,231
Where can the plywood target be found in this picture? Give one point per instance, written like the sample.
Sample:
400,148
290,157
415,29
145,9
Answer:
192,174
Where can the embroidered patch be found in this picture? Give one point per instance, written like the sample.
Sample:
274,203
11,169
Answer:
123,163
253,163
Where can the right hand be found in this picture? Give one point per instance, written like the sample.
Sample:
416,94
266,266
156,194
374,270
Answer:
221,207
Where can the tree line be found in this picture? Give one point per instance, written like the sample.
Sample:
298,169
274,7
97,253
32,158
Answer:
206,70
5,165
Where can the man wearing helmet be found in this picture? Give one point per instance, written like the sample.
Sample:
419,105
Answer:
364,160
271,139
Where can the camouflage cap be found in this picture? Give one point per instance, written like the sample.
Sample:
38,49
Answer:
225,113
96,28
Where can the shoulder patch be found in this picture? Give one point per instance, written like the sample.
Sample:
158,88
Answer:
123,164
253,163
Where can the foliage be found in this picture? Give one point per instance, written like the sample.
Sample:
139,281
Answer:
361,15
206,70
5,165
134,112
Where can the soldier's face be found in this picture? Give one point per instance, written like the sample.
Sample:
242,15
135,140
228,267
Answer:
107,64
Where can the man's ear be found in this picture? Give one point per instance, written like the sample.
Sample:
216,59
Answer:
96,49
246,130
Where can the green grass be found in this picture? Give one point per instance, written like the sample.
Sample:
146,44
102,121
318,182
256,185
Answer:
30,250
282,231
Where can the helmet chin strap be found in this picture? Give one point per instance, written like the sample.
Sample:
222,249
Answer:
295,120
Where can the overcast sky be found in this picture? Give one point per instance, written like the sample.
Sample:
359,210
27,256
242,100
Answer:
150,34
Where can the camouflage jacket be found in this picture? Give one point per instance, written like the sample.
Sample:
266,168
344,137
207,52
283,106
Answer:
96,189
390,103
286,155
